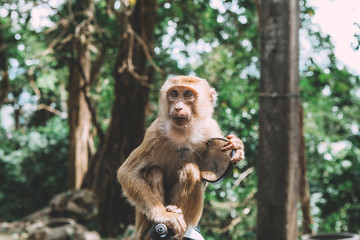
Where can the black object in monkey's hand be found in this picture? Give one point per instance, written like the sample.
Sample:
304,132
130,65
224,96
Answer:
215,164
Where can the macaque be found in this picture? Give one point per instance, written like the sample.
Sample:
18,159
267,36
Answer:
160,177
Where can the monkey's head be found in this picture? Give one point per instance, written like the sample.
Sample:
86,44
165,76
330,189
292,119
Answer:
184,99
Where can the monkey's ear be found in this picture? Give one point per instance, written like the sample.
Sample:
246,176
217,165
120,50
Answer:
213,96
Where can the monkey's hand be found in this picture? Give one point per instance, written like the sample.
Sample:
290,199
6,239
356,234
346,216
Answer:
236,144
174,219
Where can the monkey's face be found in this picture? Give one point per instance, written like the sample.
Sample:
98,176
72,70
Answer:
181,101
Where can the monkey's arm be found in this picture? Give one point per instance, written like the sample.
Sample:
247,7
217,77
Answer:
140,183
131,176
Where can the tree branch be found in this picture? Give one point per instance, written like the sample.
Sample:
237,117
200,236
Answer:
146,50
37,91
243,176
96,65
49,109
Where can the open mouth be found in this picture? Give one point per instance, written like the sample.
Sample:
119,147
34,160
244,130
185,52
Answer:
180,120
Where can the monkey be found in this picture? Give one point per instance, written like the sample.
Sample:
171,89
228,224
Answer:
160,177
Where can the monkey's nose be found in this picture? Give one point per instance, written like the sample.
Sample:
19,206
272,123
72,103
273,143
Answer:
179,107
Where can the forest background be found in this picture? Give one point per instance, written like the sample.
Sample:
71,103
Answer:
79,93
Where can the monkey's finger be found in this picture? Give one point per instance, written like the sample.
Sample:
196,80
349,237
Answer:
228,146
230,136
228,143
179,227
239,155
234,141
176,210
173,209
237,143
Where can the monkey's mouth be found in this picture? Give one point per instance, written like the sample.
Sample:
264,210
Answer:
180,120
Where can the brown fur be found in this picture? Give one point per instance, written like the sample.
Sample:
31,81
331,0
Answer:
159,177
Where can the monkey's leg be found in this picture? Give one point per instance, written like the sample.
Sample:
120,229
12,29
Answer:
188,194
155,178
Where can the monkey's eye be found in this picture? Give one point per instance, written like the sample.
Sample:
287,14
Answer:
188,94
174,94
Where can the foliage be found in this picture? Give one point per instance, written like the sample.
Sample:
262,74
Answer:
33,167
331,102
333,152
33,146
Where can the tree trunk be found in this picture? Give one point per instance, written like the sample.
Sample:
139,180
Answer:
279,121
304,185
78,109
132,74
79,117
4,77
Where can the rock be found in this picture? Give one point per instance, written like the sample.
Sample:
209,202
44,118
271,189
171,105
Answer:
57,221
61,229
80,205
40,214
46,229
